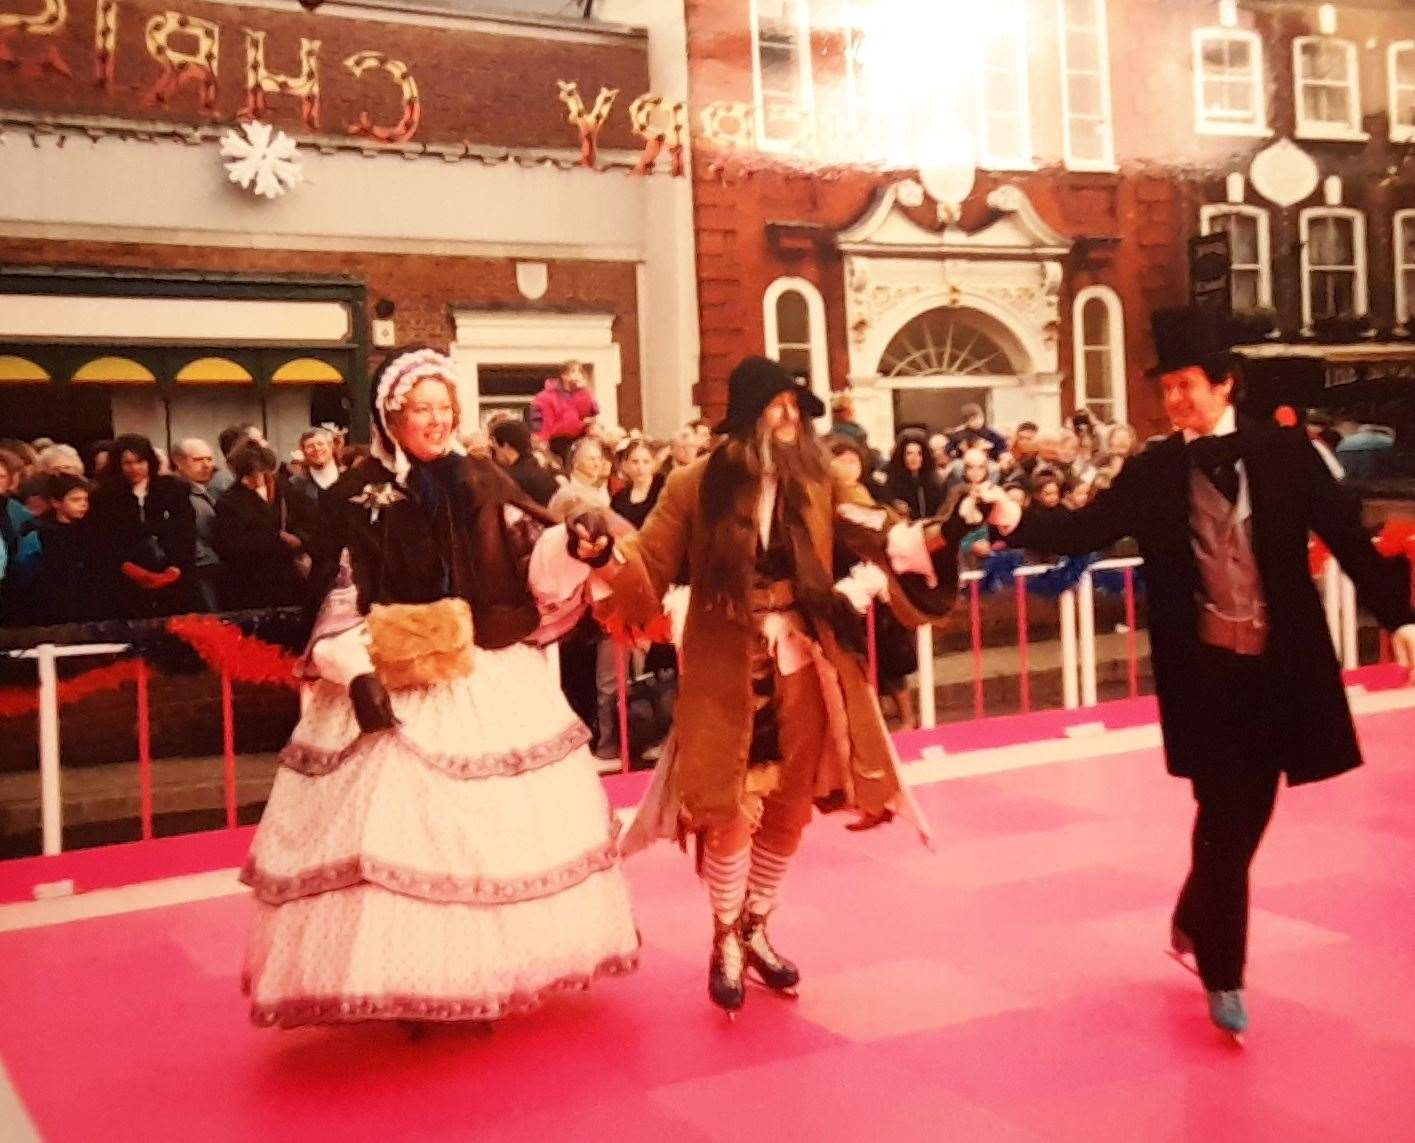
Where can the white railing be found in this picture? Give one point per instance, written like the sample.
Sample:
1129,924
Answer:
1077,621
1079,681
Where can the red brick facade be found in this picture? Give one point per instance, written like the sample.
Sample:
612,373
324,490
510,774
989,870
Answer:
1129,228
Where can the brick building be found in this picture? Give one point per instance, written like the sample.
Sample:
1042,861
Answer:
940,203
444,199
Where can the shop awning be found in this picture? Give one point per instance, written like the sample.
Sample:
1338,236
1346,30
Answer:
306,371
113,371
20,371
214,371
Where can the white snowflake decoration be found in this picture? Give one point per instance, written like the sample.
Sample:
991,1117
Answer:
261,159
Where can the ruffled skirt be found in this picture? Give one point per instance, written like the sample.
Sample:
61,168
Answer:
460,867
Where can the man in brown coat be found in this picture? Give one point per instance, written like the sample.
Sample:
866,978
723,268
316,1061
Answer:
776,713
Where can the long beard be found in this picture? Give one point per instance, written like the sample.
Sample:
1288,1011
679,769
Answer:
802,459
735,463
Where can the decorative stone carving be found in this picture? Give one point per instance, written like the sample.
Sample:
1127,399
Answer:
1284,174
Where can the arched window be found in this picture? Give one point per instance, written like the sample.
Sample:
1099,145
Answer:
793,317
1098,336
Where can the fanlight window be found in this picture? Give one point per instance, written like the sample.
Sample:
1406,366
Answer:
944,342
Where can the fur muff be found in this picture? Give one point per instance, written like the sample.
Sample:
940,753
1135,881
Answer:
420,644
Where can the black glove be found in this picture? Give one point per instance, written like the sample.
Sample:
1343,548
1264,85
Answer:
588,527
372,707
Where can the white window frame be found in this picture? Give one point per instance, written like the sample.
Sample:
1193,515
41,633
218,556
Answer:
1204,122
1348,132
818,347
1399,132
1100,26
1115,331
1359,294
806,90
1014,27
1404,299
1207,215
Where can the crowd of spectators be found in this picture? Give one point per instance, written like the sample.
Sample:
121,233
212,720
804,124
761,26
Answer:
129,532
125,531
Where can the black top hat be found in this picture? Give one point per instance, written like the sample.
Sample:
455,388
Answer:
753,385
1190,335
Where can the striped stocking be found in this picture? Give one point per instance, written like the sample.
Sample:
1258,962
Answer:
726,878
764,879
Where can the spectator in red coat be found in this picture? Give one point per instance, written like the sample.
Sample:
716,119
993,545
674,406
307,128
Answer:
559,413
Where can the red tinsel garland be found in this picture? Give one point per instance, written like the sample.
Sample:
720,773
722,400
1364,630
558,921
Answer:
15,701
245,658
223,647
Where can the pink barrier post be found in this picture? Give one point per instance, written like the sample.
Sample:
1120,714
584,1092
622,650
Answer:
621,671
1132,639
144,752
228,748
975,620
872,648
1024,681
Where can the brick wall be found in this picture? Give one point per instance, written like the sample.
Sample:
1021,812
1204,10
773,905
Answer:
472,84
424,288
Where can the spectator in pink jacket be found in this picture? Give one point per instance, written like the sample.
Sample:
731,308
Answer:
560,410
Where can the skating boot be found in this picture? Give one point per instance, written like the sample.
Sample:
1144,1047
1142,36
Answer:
773,969
726,986
1227,1012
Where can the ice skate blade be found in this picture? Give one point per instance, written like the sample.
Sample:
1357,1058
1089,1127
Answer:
785,993
1183,960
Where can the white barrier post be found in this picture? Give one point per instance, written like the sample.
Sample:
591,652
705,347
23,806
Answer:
1350,658
924,644
1331,600
1086,623
1070,698
51,804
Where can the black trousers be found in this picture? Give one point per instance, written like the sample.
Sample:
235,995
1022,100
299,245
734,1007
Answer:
1235,790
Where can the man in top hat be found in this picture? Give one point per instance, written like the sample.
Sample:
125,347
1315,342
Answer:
1248,684
776,712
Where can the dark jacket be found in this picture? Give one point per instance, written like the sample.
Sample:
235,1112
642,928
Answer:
257,566
155,535
922,494
622,502
404,551
1292,494
69,587
532,479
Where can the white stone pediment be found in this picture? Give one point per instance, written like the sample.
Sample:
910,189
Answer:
1017,230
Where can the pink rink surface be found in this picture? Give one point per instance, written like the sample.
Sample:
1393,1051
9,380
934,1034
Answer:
1010,985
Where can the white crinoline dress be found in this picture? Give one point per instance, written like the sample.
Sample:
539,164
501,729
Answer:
461,867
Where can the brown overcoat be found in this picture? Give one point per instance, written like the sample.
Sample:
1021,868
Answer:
713,717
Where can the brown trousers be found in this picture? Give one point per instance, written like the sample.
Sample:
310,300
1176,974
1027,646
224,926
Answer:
779,817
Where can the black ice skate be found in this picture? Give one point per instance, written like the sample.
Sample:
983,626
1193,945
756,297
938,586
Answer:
773,969
726,986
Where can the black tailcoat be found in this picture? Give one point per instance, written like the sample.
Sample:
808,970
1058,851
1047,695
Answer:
1292,494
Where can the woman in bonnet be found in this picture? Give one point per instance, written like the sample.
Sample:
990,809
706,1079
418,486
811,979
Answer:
437,845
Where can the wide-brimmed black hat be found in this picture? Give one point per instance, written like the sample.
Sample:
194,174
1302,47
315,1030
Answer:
753,385
1190,335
